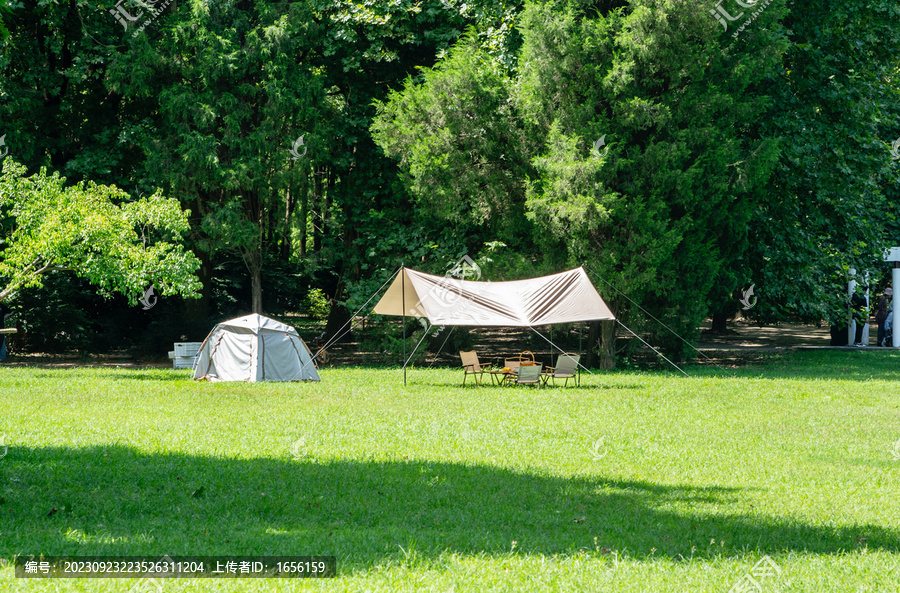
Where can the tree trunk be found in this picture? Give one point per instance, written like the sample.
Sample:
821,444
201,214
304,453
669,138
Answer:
608,345
253,260
338,316
197,309
269,217
286,226
318,200
256,291
720,321
304,214
590,358
326,205
602,333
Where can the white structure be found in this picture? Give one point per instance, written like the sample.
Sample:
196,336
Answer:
254,348
567,297
185,354
893,255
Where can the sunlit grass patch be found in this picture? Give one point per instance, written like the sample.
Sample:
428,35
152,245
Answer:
634,481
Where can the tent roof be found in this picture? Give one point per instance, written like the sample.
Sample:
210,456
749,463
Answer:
566,297
255,322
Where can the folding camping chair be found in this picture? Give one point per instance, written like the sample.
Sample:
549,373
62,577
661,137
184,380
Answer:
471,366
566,368
529,375
512,363
511,367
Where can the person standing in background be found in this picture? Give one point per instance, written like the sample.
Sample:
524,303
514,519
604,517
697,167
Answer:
889,325
881,313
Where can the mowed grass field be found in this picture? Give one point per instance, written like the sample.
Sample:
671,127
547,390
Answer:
633,482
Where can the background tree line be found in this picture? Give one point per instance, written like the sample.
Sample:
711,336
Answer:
423,131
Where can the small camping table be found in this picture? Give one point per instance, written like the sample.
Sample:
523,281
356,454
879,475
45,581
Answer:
502,376
507,376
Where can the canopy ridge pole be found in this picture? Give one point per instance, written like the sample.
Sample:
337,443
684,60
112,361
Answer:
338,334
453,327
652,348
648,314
558,348
417,346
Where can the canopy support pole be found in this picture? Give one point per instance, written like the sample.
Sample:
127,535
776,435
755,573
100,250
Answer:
416,349
550,351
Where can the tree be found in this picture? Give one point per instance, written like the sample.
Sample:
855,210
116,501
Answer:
55,108
266,76
366,222
835,103
627,123
94,231
219,133
459,138
83,98
4,10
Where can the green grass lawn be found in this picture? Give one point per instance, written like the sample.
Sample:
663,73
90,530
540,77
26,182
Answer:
634,482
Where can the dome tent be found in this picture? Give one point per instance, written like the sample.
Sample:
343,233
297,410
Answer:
254,348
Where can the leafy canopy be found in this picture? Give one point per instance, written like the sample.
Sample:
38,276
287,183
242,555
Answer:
618,140
835,101
120,246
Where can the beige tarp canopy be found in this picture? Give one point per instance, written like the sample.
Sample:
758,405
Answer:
567,297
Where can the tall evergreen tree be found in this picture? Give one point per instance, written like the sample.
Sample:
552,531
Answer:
630,121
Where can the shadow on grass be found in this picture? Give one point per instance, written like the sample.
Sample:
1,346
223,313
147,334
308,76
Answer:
117,500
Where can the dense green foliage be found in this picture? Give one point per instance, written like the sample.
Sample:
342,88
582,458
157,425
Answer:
118,245
216,134
320,144
670,195
835,107
633,482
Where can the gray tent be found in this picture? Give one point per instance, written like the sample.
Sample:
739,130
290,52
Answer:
254,348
